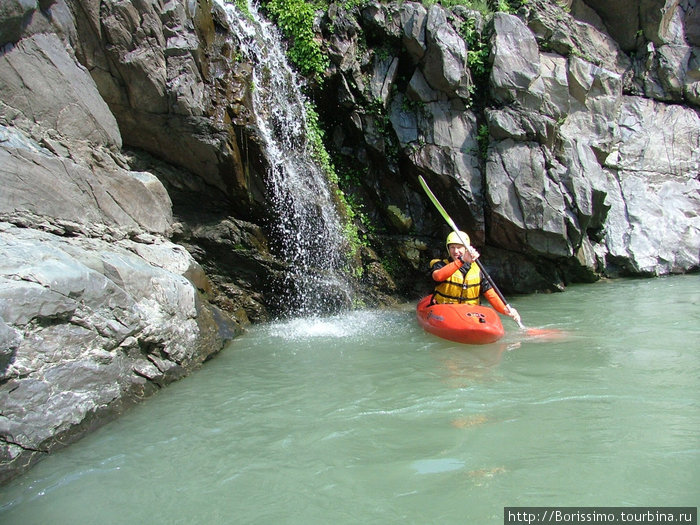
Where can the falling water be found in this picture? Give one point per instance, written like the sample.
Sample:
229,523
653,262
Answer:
305,221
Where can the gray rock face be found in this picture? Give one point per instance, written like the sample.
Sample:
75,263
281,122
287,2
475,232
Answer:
98,309
516,63
91,326
445,60
573,143
39,184
38,65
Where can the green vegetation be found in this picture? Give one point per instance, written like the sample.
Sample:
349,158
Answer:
564,6
477,5
315,136
482,138
392,264
478,51
376,109
485,7
510,6
241,5
349,207
296,20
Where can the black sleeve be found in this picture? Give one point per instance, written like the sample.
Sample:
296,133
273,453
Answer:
436,265
485,284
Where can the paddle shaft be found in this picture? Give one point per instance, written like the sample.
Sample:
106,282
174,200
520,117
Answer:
452,225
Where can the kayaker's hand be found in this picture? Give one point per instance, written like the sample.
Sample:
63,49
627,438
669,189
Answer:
513,313
470,255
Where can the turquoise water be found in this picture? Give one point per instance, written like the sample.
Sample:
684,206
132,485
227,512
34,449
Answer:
364,418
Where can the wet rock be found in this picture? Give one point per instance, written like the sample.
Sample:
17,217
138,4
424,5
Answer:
91,326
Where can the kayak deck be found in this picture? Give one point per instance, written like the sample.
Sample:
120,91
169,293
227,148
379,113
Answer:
462,323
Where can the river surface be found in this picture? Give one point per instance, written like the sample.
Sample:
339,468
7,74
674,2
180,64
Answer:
364,418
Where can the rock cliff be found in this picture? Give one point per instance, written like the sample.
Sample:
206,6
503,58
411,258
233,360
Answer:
134,212
570,153
98,307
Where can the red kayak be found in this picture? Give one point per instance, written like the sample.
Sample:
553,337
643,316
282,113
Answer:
463,323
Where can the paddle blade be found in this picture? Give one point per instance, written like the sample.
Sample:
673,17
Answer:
547,334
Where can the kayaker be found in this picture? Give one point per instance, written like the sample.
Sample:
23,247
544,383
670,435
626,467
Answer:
460,280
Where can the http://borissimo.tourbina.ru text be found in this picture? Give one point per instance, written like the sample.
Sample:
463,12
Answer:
576,515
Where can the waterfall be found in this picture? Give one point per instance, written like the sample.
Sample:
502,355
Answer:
306,226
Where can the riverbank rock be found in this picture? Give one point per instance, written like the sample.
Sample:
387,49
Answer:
98,308
92,327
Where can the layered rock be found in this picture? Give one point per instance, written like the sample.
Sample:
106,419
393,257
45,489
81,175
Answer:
562,164
98,308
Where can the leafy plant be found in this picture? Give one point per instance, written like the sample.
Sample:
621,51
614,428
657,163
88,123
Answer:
477,51
315,136
296,20
242,6
414,106
350,209
485,7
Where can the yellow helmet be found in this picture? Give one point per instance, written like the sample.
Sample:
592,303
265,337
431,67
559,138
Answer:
456,238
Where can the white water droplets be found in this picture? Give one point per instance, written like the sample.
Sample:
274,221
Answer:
307,229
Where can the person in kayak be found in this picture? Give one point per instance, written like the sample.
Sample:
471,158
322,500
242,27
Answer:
460,281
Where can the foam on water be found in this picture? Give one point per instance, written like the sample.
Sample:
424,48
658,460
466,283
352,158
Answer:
349,324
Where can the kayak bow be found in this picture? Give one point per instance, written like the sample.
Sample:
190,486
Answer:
462,323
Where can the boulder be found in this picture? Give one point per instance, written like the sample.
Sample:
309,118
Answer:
92,326
526,202
657,199
661,140
38,185
515,64
64,99
520,125
413,19
342,39
445,61
663,224
559,32
383,77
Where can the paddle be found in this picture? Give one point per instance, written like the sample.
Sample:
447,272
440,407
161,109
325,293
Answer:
451,223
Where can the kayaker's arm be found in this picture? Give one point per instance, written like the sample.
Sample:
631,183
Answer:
495,301
469,256
500,306
442,274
